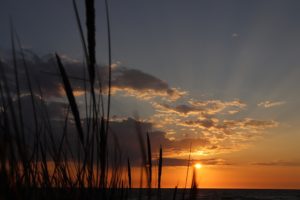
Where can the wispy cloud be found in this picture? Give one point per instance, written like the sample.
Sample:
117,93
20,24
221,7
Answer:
235,35
208,107
249,123
269,104
210,120
278,163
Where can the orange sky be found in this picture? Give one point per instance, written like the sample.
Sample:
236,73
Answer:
231,177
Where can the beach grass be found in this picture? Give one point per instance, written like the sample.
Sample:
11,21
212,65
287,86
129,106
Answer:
43,166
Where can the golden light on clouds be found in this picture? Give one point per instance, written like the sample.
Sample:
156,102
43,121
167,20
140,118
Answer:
78,93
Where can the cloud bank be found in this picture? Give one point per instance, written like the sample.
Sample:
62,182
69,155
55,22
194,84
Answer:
210,126
130,82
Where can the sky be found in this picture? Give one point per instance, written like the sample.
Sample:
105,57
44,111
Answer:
220,75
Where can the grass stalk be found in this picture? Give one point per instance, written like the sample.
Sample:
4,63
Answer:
71,98
109,62
149,164
129,174
187,172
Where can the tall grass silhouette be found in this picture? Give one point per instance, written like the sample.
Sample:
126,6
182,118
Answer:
44,167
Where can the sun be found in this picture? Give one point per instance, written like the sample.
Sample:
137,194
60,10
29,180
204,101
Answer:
198,166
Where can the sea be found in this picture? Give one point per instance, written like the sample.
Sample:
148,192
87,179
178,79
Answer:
163,194
216,194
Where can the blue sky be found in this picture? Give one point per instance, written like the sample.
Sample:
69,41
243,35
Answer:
216,47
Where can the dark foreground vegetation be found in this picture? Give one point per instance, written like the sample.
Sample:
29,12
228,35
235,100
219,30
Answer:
36,163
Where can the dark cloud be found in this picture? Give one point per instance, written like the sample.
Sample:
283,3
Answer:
127,135
142,84
40,120
44,71
184,162
38,73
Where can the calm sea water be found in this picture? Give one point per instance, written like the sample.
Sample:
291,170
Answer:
222,194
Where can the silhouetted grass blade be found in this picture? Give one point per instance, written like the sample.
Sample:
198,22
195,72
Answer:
129,173
80,31
149,161
71,98
175,192
194,186
159,167
109,62
90,24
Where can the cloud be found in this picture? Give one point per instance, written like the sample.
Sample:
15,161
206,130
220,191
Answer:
212,126
215,138
234,132
126,81
216,106
179,109
125,130
235,35
249,123
204,124
137,83
134,82
184,162
47,118
210,120
208,107
42,74
278,163
269,104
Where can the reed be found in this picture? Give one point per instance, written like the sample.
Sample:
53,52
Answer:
149,164
50,165
159,173
71,98
129,174
109,61
90,24
194,186
187,173
175,192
